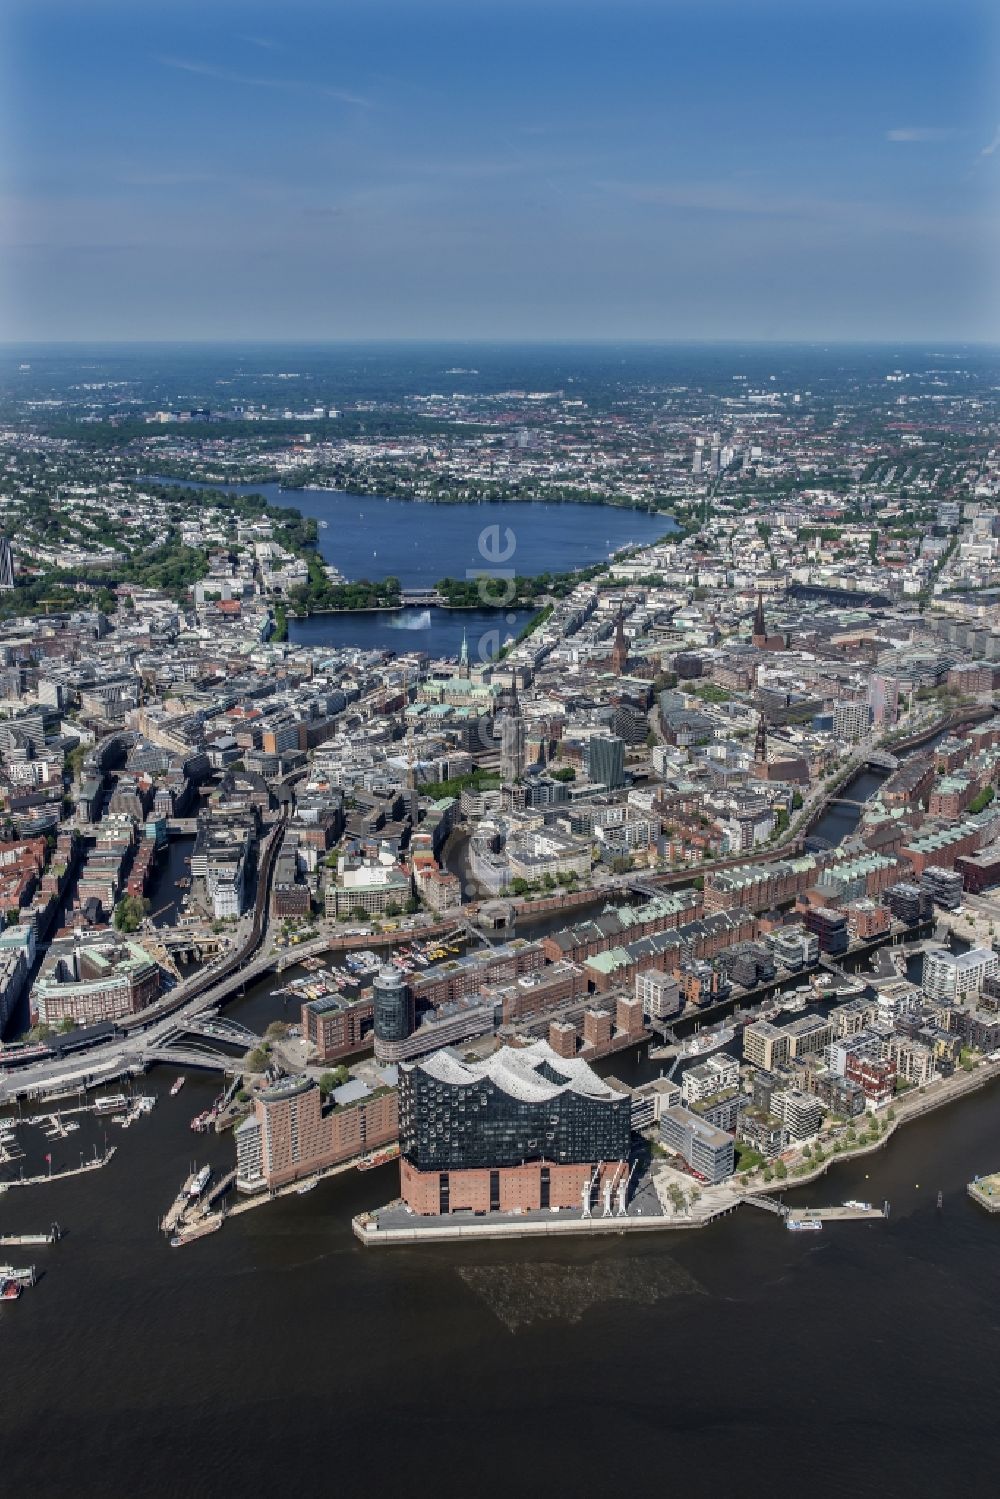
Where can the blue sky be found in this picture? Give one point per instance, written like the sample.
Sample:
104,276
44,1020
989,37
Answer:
652,169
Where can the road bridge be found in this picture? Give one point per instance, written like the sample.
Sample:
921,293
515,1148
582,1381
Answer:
220,1028
193,1056
426,597
149,1032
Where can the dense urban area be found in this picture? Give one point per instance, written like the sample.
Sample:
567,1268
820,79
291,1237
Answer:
727,797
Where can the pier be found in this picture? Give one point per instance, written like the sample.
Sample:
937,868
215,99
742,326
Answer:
647,1212
11,1241
55,1176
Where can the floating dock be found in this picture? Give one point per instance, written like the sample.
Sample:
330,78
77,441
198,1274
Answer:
986,1191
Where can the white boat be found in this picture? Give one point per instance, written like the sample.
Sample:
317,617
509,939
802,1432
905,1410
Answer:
111,1103
705,1042
200,1182
176,1086
858,1205
305,1187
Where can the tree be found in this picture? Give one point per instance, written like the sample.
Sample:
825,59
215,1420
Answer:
129,913
780,1170
259,1059
276,1031
335,1078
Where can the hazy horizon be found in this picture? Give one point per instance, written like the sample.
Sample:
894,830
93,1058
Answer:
499,171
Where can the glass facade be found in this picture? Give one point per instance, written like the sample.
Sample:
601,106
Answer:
446,1126
392,1006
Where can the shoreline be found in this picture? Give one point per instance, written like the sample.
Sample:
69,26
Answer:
366,1230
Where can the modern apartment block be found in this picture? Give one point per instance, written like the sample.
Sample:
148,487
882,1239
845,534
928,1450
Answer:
708,1151
958,977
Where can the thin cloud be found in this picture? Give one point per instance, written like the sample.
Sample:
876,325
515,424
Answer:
994,145
910,134
225,75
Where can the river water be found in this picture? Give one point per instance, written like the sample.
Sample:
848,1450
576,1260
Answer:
278,1353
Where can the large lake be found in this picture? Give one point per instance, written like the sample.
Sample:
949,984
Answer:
372,537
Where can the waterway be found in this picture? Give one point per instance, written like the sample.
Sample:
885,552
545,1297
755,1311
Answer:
857,1360
165,895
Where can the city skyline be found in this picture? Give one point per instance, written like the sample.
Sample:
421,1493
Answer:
486,172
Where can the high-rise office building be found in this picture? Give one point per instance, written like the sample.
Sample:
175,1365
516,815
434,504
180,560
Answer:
393,1007
606,760
883,699
512,738
6,566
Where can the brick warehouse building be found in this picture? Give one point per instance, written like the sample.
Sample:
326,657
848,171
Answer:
524,1129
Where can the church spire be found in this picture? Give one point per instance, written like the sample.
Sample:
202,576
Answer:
463,655
759,633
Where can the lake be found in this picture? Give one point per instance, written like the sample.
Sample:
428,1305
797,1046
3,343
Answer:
436,631
372,537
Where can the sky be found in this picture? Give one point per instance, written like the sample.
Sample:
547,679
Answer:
559,169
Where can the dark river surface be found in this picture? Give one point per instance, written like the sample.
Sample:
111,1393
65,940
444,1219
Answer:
279,1357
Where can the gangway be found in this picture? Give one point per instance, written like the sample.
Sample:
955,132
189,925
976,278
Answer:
769,1207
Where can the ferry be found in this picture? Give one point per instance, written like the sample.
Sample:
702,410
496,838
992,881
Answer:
705,1042
111,1103
176,1086
858,1205
200,1182
804,1225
